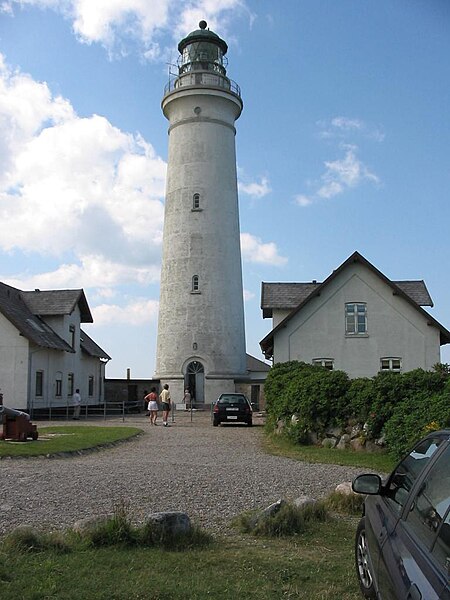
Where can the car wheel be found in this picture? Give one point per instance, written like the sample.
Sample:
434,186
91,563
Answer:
250,423
363,571
215,423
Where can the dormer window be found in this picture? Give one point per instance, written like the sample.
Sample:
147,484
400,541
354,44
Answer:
72,335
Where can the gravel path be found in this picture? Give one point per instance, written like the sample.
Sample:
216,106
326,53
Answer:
212,473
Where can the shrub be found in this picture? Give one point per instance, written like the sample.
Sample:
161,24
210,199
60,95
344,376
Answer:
28,539
347,504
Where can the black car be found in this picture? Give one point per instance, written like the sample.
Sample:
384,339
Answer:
232,408
402,549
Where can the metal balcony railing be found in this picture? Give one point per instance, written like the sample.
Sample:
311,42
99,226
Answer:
202,78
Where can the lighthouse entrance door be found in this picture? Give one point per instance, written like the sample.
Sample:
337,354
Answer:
195,381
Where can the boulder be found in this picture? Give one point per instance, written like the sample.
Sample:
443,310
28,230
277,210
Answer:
358,444
329,442
170,523
344,442
303,501
280,426
334,432
270,511
345,488
294,419
89,523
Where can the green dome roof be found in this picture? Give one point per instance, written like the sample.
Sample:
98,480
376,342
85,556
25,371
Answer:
202,35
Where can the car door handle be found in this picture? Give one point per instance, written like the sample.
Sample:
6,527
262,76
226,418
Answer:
414,593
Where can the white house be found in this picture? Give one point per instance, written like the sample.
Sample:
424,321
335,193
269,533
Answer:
44,353
357,321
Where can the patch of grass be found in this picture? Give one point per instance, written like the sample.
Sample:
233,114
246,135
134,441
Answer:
316,566
345,504
280,446
70,438
27,539
289,520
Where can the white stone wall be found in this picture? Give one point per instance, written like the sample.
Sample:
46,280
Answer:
207,326
395,328
13,365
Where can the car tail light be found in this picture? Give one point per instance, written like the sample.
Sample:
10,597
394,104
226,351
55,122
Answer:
216,408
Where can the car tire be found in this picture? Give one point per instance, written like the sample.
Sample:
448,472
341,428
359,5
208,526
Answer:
215,423
250,423
363,570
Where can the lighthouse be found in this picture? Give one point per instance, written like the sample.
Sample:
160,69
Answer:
201,334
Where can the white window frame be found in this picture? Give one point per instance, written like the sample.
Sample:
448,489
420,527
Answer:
390,363
353,319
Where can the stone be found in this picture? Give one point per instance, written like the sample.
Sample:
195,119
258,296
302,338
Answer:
170,522
280,426
334,432
344,442
303,501
355,431
372,447
381,441
89,523
357,444
268,512
329,442
294,419
345,488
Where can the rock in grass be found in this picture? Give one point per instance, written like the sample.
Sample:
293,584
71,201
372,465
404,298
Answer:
170,523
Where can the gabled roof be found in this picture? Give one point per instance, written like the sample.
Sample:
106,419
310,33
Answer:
287,296
90,347
31,326
414,292
58,302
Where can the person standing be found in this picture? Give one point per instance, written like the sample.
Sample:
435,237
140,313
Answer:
165,404
152,400
187,399
76,399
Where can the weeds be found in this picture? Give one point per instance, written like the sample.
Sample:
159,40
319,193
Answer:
27,539
345,504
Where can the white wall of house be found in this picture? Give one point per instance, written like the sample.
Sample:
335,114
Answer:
394,328
13,365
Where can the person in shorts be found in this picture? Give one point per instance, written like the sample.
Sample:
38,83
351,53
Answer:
152,406
165,404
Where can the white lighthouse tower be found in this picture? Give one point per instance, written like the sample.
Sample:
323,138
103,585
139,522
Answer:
201,336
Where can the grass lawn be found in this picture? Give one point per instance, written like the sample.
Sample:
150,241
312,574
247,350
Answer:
53,440
317,565
373,461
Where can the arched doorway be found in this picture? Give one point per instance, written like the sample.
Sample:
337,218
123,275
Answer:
194,380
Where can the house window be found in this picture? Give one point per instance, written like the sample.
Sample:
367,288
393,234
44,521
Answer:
195,284
390,364
70,384
58,387
91,385
39,383
72,336
356,318
328,363
196,202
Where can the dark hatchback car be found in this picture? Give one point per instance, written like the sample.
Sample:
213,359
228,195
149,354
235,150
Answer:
402,549
232,408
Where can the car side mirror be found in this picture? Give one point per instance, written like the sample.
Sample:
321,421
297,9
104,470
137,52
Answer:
369,483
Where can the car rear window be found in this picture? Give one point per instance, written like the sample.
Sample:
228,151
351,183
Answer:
232,400
403,478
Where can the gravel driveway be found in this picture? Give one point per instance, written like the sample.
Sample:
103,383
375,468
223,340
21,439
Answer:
212,473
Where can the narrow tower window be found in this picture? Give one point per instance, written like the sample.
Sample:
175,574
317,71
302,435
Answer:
196,202
195,284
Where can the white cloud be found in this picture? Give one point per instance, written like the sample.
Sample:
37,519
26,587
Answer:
248,295
114,23
254,250
343,173
138,312
302,200
255,189
348,172
76,187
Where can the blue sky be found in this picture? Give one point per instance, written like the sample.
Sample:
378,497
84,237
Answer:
343,145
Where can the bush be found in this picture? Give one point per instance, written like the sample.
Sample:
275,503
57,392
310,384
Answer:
289,521
28,539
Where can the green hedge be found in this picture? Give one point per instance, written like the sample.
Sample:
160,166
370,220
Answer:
400,406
